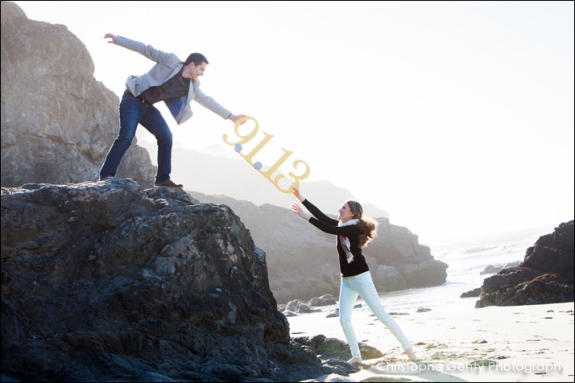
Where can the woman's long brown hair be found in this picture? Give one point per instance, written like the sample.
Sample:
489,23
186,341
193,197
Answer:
367,226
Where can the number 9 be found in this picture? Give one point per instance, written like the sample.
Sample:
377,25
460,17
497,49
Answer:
243,138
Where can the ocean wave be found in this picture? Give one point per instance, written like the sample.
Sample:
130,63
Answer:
479,249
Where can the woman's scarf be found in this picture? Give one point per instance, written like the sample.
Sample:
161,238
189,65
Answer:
344,241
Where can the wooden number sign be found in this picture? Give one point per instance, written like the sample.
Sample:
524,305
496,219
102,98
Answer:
269,173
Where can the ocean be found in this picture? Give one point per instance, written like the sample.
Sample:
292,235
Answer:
467,258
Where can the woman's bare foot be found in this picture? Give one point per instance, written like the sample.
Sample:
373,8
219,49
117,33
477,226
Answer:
355,361
411,354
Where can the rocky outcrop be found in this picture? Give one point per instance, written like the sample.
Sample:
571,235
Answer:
328,348
106,281
471,293
397,247
57,122
302,261
492,269
545,275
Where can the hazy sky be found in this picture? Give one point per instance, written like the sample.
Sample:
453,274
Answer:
455,117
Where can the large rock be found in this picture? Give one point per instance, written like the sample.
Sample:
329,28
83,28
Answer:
545,275
303,263
398,247
58,122
108,282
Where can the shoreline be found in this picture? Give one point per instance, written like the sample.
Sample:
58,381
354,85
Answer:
496,343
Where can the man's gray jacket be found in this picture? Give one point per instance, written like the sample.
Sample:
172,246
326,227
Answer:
168,65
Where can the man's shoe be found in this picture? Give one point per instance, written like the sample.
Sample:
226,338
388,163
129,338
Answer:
170,184
108,178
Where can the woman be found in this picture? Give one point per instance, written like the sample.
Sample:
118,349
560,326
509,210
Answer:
353,233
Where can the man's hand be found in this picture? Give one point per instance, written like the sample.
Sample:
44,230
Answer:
234,118
111,37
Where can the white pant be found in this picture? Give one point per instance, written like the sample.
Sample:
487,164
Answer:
362,285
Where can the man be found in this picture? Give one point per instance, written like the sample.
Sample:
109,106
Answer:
169,80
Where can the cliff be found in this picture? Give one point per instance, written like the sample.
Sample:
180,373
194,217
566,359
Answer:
58,122
106,281
545,276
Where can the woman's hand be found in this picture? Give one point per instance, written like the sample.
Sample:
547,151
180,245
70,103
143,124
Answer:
299,211
297,193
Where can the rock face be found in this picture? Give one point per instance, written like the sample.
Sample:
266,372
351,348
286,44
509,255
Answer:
58,122
545,275
106,281
302,261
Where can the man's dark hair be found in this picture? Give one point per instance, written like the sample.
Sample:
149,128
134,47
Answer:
196,58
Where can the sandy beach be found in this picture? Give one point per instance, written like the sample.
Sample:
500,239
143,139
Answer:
496,344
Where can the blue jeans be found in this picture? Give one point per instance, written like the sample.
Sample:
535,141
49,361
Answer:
362,285
134,112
